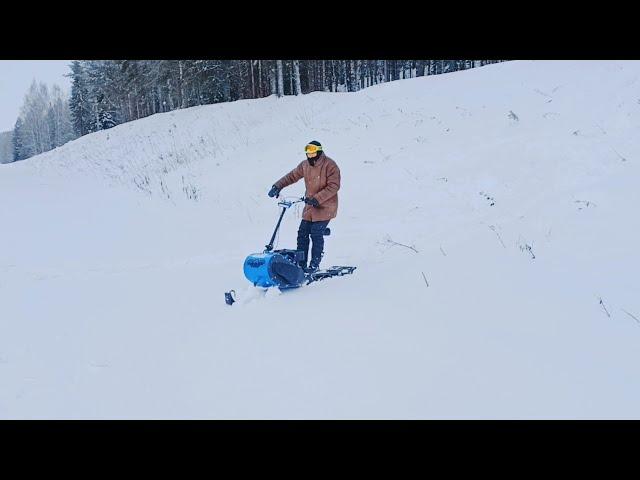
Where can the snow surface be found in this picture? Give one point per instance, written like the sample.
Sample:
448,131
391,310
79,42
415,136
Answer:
117,248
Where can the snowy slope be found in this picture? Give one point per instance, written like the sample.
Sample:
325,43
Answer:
117,248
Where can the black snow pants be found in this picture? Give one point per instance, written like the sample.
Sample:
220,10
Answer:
315,230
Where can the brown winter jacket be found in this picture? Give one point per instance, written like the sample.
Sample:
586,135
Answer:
322,182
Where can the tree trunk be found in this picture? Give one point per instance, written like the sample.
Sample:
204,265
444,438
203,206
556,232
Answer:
272,80
296,77
253,85
280,80
183,100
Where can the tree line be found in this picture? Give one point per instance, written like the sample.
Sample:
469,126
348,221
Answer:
44,122
106,93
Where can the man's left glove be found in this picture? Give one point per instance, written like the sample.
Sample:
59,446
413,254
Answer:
311,201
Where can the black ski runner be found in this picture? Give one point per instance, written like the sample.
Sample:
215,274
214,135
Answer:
316,276
328,273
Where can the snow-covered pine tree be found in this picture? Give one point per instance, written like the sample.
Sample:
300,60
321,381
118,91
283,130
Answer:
17,140
79,101
103,93
6,147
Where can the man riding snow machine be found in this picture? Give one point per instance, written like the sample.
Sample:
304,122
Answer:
282,268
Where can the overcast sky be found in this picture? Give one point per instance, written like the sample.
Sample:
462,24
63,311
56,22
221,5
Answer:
15,78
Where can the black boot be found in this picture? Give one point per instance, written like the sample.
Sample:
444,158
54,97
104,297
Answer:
314,265
317,249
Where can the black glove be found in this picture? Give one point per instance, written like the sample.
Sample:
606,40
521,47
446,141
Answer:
311,201
274,192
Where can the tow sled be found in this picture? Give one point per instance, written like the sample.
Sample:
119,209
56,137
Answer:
281,268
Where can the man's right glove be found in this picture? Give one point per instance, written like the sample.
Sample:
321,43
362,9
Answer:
311,201
274,192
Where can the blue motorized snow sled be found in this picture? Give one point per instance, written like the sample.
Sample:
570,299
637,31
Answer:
283,268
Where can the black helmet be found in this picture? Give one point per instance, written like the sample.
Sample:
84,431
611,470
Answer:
313,147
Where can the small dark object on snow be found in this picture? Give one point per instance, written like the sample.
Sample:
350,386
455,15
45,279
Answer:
228,297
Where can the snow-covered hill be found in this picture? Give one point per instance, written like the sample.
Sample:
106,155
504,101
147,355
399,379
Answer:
492,214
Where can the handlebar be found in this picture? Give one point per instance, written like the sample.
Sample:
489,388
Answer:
289,203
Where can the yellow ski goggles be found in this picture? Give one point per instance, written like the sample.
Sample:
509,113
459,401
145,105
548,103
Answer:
312,148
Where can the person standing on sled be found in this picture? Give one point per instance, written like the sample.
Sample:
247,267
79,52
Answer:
322,181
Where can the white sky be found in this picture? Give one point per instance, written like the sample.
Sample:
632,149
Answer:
15,78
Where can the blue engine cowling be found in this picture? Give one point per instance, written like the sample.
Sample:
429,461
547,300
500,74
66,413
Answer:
274,269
